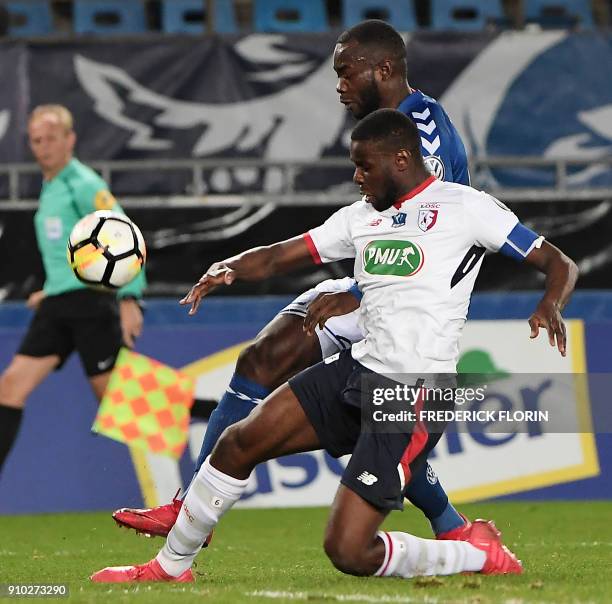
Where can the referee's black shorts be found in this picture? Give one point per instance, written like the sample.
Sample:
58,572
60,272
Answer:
83,320
332,394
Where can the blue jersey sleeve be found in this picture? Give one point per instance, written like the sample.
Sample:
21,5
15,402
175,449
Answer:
442,148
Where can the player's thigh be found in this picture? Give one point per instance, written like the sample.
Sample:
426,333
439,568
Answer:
280,350
23,375
339,333
319,390
48,334
97,338
302,415
274,428
280,425
378,470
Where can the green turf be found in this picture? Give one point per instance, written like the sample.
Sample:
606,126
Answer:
566,549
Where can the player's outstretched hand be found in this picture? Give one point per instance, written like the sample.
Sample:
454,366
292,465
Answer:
218,274
328,305
548,315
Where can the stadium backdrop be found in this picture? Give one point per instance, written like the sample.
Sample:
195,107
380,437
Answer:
544,94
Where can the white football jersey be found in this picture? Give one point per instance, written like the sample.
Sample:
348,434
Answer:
416,264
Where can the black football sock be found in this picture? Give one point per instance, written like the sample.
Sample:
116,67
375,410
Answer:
10,419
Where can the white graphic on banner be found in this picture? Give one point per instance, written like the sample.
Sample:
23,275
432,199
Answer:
598,123
276,121
474,100
5,119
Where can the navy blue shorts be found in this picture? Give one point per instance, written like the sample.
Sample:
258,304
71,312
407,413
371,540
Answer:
332,395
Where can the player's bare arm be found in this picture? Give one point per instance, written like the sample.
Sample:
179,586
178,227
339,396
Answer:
561,275
34,299
255,264
327,305
131,318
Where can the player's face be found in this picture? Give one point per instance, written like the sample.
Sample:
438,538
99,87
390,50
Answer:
374,173
357,84
50,142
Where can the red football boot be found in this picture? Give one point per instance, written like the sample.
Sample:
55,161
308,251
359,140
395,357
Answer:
152,522
151,571
461,533
500,560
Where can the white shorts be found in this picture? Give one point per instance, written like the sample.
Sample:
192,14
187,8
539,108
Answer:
339,333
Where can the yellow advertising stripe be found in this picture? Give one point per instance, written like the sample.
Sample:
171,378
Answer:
525,483
139,457
213,361
579,366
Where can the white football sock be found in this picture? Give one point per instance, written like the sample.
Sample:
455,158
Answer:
211,494
409,556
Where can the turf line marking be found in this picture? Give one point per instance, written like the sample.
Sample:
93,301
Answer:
304,595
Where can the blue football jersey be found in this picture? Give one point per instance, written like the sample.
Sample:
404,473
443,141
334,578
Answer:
442,149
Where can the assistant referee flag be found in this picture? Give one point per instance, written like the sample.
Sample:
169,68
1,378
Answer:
146,405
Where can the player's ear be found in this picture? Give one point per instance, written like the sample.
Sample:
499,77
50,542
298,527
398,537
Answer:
385,69
72,138
402,159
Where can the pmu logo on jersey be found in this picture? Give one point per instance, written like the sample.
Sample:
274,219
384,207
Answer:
427,219
399,220
392,257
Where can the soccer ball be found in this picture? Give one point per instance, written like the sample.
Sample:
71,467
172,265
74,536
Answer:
106,250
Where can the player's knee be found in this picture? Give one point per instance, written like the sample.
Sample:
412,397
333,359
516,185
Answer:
233,449
227,446
261,361
346,555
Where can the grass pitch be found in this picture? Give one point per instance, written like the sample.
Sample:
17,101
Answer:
273,556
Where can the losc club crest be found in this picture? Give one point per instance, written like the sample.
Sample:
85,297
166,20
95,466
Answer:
435,166
427,219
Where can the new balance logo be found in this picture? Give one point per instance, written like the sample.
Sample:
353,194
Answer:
367,478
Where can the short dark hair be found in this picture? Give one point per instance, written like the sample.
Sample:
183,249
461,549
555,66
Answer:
392,128
376,34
